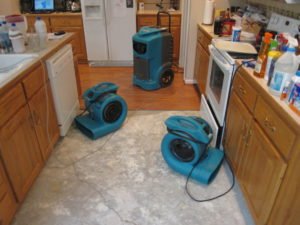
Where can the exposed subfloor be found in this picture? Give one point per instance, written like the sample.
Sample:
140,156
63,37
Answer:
123,179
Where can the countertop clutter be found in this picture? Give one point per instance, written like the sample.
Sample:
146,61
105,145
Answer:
209,31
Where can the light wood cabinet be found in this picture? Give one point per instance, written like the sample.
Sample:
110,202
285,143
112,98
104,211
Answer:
8,204
68,22
202,59
45,122
31,18
151,20
28,132
261,172
260,142
20,151
236,133
72,24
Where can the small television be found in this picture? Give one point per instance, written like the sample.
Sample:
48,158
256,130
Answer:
43,5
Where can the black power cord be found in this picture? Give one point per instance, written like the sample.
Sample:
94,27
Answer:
225,156
211,198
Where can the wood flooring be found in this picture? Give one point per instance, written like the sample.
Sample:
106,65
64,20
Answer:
178,96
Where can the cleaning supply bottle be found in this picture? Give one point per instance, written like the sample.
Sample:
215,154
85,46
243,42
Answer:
260,66
41,30
273,55
17,39
285,67
295,80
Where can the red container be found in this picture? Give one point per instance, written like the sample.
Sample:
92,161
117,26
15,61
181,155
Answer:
227,26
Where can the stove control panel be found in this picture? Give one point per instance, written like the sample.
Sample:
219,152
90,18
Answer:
281,24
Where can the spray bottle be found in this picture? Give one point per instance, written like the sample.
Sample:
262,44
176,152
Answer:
285,67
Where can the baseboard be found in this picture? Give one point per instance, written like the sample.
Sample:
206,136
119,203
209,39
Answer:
110,63
189,81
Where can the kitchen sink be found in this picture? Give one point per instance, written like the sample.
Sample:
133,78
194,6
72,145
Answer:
11,64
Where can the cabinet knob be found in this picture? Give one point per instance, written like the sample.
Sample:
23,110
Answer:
269,125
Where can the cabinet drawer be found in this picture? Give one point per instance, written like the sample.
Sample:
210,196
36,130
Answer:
245,91
34,81
11,102
279,133
66,21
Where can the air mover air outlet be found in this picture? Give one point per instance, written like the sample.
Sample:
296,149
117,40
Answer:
182,150
112,112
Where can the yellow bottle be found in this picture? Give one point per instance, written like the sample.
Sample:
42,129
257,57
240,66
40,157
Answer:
260,66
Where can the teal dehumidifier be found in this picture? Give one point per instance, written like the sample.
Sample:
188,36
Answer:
153,56
186,149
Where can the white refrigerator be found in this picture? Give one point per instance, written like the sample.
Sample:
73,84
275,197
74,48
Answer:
108,28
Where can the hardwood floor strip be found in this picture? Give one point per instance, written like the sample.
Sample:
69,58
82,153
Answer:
179,96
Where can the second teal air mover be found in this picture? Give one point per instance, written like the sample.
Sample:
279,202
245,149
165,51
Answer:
185,148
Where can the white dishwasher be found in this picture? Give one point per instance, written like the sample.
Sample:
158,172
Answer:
62,78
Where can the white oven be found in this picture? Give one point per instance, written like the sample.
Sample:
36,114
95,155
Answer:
213,107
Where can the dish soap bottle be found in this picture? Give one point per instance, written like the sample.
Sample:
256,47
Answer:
260,66
285,67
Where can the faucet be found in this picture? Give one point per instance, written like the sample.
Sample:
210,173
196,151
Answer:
160,6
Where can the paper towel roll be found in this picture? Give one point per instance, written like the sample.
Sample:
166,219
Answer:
208,12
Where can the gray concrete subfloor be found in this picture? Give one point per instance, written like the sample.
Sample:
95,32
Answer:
123,179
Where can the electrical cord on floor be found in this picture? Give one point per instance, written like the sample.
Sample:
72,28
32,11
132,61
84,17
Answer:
246,62
211,198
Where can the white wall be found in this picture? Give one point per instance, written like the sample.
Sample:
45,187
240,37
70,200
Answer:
9,7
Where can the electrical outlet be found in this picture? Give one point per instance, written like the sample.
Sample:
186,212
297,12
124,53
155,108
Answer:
281,23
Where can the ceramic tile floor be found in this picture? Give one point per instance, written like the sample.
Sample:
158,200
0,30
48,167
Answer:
122,179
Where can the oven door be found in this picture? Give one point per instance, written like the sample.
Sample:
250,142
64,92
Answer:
207,115
218,83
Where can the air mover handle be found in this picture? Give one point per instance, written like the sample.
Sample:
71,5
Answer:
158,24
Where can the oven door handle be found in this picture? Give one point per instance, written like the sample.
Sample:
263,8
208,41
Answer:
227,67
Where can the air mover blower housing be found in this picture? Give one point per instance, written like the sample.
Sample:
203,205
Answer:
186,145
153,55
106,111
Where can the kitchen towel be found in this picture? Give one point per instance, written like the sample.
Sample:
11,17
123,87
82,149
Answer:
208,12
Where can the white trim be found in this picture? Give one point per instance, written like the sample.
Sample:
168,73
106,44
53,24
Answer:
190,81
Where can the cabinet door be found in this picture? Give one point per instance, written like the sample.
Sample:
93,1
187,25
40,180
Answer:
78,43
203,58
236,132
175,31
8,204
45,121
262,170
20,151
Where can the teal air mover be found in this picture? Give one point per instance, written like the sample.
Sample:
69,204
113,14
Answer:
153,55
185,148
106,111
